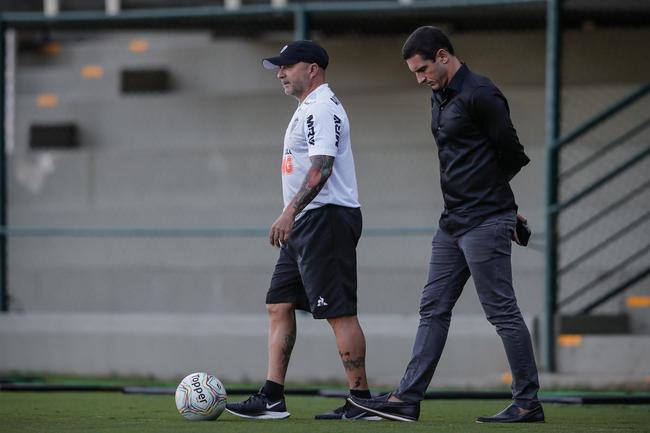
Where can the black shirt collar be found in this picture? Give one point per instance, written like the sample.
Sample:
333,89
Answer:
455,85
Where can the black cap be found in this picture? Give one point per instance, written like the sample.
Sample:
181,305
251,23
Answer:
298,51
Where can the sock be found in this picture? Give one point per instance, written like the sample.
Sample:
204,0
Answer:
359,393
274,391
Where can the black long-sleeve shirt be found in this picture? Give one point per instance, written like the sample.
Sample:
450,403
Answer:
478,149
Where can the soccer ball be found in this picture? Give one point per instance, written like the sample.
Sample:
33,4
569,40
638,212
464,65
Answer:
200,396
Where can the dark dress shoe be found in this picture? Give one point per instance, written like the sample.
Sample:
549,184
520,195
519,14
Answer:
515,414
380,406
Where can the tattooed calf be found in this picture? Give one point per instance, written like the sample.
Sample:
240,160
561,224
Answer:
350,363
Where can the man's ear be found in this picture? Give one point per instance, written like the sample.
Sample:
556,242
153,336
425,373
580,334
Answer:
313,70
443,54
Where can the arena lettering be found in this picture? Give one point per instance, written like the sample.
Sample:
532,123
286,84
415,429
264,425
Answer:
310,129
337,129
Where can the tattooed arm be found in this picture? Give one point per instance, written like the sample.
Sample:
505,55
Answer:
319,172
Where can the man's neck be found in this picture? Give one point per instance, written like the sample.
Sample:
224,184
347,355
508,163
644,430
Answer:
314,85
454,66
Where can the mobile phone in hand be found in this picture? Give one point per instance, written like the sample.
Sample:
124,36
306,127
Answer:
523,232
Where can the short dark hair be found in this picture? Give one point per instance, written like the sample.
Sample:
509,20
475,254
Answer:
426,41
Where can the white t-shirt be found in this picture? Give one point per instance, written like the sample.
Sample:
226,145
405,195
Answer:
320,127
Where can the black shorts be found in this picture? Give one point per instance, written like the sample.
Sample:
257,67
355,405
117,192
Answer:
317,267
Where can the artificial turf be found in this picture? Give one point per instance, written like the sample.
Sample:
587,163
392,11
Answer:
97,412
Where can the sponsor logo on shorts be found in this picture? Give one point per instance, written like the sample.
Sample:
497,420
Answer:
321,302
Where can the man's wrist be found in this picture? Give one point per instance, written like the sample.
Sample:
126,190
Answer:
291,211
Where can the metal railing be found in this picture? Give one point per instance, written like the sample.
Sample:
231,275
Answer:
555,208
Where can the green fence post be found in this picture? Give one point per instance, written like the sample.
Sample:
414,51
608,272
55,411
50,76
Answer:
4,294
553,72
300,24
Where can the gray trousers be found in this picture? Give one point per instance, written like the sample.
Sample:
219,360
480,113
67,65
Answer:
484,253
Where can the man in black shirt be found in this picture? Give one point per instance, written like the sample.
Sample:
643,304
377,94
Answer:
479,154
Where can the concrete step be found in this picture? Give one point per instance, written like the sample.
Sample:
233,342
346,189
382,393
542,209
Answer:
637,303
206,275
198,63
77,184
624,313
609,381
234,347
604,354
165,121
185,121
594,324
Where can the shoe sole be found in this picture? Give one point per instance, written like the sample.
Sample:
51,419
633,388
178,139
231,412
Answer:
265,415
510,422
362,418
344,418
385,415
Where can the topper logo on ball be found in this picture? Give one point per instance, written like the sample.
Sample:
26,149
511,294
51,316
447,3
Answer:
198,389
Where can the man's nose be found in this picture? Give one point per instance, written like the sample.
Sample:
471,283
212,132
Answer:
420,77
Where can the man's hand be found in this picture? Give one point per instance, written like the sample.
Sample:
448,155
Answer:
319,172
281,228
514,232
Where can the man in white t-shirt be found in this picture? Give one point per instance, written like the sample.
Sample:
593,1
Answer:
317,233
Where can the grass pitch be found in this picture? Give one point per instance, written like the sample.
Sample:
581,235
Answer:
71,412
